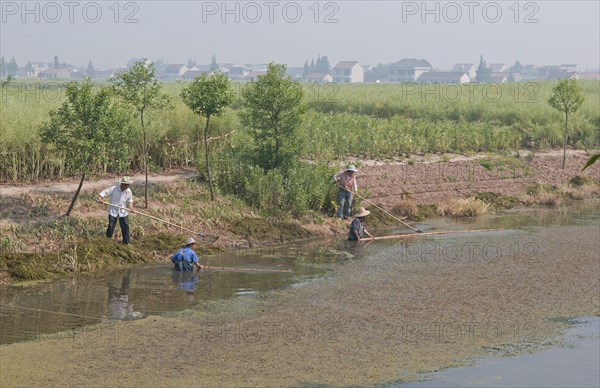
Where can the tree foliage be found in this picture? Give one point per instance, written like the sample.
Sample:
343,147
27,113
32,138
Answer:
139,88
272,115
567,97
208,96
89,128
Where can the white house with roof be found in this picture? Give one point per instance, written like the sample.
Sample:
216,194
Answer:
55,73
530,73
444,77
499,77
408,70
468,68
175,71
319,78
498,67
348,72
252,75
193,73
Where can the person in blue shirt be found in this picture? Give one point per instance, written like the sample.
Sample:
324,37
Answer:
185,259
357,227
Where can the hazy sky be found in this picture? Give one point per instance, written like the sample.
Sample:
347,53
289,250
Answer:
110,33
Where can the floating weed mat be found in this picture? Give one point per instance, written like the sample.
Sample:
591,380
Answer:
260,229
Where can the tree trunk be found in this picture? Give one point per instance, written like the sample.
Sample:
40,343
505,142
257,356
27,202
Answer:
565,139
145,161
210,185
76,195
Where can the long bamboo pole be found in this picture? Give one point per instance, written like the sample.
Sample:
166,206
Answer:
154,218
385,211
428,234
245,269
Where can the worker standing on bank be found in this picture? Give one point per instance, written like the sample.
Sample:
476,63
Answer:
122,196
346,181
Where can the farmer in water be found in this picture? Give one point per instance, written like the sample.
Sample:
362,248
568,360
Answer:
357,227
346,181
185,259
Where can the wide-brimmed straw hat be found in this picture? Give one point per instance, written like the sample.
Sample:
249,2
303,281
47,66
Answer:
351,167
190,241
126,180
362,212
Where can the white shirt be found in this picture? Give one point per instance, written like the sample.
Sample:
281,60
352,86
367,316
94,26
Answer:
119,198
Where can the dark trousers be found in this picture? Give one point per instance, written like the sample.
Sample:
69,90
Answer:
123,223
344,203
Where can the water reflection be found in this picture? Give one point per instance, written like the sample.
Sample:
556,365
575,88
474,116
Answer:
185,280
119,305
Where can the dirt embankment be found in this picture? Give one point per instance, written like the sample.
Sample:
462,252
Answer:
435,179
431,179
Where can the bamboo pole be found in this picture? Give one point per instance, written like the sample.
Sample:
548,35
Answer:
154,218
245,269
428,234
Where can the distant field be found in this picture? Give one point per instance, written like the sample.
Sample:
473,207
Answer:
367,120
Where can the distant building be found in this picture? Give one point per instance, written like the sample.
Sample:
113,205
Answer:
444,77
318,78
554,73
348,72
408,70
236,72
252,75
468,68
499,77
191,74
590,75
498,67
55,73
133,61
530,73
38,67
175,71
295,73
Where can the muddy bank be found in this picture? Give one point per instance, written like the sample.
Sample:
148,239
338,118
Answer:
377,319
434,179
39,242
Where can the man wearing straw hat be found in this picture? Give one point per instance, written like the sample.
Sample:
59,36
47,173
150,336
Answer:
122,196
346,181
357,227
185,259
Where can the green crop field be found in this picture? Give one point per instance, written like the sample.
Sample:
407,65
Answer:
365,120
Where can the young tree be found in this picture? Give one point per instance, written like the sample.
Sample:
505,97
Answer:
214,66
89,128
208,96
484,73
12,68
273,112
139,88
566,97
3,67
90,71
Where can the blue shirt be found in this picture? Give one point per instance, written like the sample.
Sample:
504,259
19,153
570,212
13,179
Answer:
185,254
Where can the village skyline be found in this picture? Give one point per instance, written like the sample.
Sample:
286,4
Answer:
370,32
